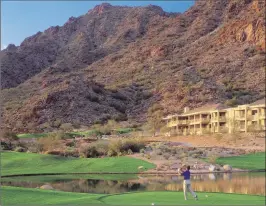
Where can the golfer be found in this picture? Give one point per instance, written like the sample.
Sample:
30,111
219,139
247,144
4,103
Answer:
187,183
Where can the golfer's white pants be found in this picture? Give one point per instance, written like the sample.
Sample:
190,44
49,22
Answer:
187,187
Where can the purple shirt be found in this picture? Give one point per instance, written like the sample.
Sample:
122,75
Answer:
186,175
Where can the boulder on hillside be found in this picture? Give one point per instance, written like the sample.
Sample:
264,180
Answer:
46,187
227,168
212,168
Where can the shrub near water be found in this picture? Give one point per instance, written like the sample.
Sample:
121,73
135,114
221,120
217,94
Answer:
52,141
113,148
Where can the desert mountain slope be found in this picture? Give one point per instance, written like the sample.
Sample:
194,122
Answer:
115,62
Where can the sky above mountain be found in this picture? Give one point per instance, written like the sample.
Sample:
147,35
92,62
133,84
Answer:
20,19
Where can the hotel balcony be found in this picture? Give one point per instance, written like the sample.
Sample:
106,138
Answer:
199,121
253,117
182,122
172,123
222,119
240,117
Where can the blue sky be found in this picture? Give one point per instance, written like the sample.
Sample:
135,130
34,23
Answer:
20,19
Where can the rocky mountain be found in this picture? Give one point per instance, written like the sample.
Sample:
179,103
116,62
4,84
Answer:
114,62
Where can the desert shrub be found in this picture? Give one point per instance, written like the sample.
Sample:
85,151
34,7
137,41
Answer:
120,117
115,147
111,153
92,97
90,151
70,144
9,135
54,152
34,147
173,151
166,156
146,95
101,147
20,149
123,146
231,102
148,156
59,135
195,155
71,152
97,89
134,145
56,123
76,125
142,151
119,96
48,143
183,155
159,152
96,149
212,159
118,106
66,127
129,152
7,145
104,118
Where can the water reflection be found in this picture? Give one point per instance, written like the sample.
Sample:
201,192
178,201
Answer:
244,183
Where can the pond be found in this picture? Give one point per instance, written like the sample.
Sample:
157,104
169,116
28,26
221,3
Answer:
242,183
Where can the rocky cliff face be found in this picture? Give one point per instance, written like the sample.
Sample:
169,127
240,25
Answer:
134,57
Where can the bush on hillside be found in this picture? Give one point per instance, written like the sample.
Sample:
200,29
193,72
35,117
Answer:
66,127
113,148
9,135
20,149
123,146
35,147
120,117
49,143
59,135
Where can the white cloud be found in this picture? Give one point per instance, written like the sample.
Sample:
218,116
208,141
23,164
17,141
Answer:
3,46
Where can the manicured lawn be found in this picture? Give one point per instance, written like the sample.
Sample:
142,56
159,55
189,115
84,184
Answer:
29,163
15,196
250,161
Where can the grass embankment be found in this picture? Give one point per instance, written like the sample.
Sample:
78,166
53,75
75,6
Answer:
43,197
29,163
249,161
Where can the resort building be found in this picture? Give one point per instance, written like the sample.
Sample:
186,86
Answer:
217,118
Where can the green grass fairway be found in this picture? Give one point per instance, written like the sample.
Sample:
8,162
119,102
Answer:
29,163
15,196
250,161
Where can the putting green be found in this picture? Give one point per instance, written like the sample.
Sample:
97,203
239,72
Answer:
16,196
